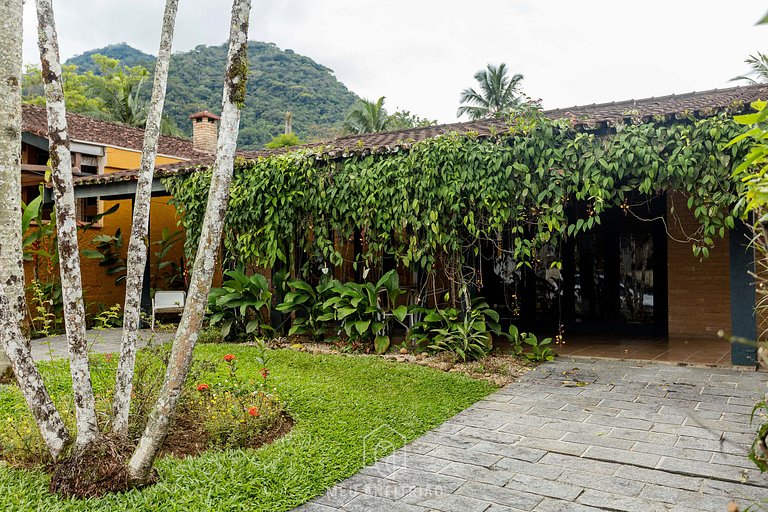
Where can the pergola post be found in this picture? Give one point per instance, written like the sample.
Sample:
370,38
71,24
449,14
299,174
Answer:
743,320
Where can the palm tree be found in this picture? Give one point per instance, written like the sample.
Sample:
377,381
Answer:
499,94
366,117
759,69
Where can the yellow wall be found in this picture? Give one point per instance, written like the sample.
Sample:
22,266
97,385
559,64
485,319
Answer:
97,286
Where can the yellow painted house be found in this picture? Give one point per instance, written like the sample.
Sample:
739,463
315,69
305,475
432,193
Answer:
100,147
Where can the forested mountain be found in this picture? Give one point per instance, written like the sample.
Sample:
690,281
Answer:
127,55
279,81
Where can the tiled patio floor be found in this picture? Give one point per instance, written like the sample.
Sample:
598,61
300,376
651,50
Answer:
705,351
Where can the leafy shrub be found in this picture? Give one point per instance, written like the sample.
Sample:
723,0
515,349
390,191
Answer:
363,310
240,305
528,345
758,453
468,335
359,311
108,318
210,334
312,318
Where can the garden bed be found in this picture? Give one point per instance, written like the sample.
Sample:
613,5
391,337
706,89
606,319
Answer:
497,368
338,404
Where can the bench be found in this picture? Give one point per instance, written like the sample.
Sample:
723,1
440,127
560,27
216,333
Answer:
167,302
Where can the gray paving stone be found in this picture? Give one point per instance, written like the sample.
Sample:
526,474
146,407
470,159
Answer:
544,487
639,436
549,445
366,503
622,456
496,475
605,483
454,440
607,421
446,502
483,434
465,456
655,477
657,438
672,451
579,464
608,501
550,505
500,495
516,466
515,451
598,440
441,483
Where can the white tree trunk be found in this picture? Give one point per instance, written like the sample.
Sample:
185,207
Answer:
151,441
11,261
30,382
12,341
64,196
138,245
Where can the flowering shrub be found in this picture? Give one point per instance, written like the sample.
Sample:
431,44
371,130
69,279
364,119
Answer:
237,413
219,407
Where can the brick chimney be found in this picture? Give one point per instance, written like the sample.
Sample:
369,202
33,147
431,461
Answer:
205,130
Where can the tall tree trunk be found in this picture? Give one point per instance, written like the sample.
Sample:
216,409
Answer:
140,465
139,243
64,196
12,342
48,420
11,261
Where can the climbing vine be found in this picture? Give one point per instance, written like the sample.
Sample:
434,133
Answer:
440,197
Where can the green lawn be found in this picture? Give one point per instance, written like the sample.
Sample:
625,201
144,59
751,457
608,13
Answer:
336,401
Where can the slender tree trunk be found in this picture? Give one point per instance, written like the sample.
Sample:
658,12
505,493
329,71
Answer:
31,384
139,243
11,261
64,196
12,341
140,465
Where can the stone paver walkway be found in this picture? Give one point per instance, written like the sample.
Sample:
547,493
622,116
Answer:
99,341
578,436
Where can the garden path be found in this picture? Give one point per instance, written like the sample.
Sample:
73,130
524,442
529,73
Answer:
578,436
99,341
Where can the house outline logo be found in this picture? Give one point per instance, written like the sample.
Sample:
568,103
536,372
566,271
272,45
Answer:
385,442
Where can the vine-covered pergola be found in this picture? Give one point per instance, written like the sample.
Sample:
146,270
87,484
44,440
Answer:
438,197
429,199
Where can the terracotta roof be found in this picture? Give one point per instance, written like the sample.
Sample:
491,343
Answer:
204,113
86,129
587,117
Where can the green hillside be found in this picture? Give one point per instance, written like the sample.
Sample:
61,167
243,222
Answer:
127,55
279,81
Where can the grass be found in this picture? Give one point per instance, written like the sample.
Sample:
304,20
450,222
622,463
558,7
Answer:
336,401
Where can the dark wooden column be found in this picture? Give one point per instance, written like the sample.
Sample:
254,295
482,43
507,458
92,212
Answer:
743,321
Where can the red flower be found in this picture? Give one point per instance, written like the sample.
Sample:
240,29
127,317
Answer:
108,357
229,358
253,411
264,373
202,387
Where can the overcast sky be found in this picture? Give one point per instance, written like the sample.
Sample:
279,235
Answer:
421,53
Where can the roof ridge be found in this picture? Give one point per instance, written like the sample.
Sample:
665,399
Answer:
685,95
111,123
